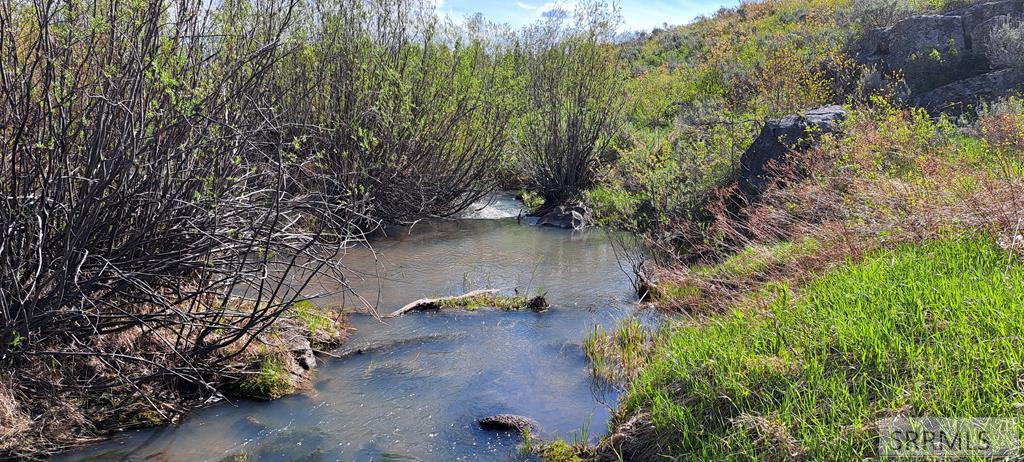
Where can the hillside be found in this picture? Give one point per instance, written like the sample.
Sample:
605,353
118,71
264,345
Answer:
830,266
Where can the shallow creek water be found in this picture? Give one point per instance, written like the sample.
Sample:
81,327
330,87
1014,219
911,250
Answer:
423,380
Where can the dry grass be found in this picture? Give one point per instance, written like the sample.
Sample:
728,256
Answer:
43,410
896,177
15,423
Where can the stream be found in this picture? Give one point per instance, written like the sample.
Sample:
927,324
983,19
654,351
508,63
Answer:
423,380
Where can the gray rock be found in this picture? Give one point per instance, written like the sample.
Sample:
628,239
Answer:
565,217
943,58
963,95
975,15
779,137
929,50
508,422
301,351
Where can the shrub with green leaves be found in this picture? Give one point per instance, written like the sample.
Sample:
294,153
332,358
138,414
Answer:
573,101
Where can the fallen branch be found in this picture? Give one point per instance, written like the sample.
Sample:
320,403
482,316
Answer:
474,300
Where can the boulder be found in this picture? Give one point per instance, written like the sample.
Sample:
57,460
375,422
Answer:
508,423
565,217
961,96
779,137
302,355
929,50
975,15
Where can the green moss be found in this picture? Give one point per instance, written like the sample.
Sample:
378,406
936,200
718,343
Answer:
559,451
272,381
501,302
324,329
930,329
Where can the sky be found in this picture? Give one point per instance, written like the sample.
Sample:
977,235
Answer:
637,14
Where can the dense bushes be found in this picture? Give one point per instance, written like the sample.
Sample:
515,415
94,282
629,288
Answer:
573,102
151,227
140,181
173,174
390,106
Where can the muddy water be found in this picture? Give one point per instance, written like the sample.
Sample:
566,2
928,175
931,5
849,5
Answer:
422,380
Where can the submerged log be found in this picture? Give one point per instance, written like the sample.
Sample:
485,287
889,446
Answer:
475,300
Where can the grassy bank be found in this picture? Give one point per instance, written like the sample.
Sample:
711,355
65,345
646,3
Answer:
920,330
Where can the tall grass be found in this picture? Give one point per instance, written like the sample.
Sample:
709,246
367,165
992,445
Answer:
926,330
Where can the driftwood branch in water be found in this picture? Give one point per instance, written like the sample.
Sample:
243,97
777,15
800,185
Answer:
474,300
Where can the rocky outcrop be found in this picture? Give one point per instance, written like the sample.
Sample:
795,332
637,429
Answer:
961,95
779,137
929,50
944,56
508,423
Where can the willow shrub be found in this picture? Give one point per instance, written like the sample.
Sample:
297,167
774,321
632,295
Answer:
393,109
574,101
143,192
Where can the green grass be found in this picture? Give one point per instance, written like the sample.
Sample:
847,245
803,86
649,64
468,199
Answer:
325,329
758,258
933,329
619,355
314,318
271,382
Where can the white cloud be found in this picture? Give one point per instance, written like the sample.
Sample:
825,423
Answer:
557,6
525,6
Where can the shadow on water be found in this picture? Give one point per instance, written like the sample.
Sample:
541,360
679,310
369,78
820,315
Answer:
423,380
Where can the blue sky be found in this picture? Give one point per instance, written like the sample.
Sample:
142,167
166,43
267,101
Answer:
637,14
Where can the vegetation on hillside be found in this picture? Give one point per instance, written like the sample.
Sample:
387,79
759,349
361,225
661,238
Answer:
921,330
857,279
